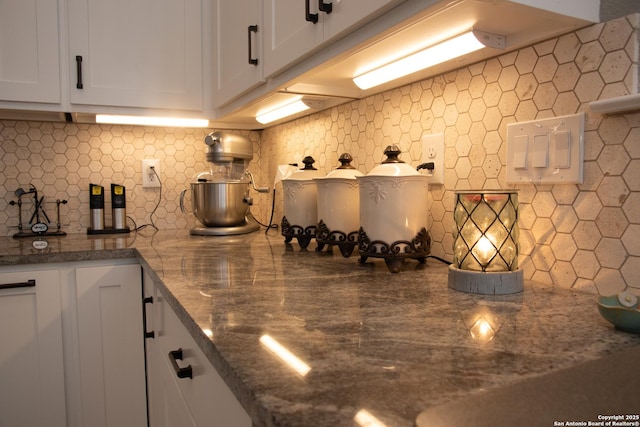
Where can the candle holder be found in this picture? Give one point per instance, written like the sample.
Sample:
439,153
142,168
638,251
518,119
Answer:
485,247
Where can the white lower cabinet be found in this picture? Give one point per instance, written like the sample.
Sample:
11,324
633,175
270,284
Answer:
184,389
31,356
111,347
71,345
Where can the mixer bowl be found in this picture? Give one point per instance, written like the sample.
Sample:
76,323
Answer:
220,204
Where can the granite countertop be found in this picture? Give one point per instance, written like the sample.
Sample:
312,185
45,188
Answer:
377,344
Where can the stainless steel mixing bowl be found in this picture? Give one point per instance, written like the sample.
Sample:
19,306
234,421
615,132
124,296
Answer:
220,204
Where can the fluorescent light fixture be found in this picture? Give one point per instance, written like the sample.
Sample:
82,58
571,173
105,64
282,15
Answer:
152,121
446,50
289,108
285,355
280,111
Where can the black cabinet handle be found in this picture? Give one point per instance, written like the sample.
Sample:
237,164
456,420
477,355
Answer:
185,372
27,284
252,29
145,301
79,71
311,17
325,7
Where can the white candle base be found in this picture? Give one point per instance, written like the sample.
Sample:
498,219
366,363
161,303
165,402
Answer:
490,283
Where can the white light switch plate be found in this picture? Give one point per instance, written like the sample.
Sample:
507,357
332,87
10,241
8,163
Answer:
549,151
433,151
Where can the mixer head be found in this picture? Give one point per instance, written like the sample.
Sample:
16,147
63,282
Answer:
229,155
224,147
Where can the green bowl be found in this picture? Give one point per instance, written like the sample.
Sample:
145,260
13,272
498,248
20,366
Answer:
626,319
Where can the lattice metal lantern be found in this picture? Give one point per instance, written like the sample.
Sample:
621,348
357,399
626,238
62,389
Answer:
485,248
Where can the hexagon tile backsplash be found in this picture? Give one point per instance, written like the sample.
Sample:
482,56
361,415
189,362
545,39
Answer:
61,160
583,236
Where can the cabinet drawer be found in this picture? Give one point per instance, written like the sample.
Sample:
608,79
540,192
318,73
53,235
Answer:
209,399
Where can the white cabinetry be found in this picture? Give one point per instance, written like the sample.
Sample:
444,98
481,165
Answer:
238,38
294,28
184,388
143,53
29,51
31,357
111,347
71,345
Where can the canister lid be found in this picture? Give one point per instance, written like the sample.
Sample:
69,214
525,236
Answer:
392,165
345,170
306,173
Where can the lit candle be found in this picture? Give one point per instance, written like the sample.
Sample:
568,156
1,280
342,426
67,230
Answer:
484,250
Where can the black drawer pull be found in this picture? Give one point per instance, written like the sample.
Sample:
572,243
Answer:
79,84
311,17
145,301
27,284
252,29
185,372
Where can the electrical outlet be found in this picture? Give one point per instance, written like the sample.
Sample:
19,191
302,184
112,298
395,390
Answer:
433,151
149,177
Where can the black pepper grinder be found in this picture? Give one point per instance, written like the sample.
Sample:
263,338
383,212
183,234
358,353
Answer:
118,207
96,206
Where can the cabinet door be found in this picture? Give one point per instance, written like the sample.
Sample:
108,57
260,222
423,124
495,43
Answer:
111,346
32,389
349,14
210,401
238,35
29,52
167,407
143,53
287,34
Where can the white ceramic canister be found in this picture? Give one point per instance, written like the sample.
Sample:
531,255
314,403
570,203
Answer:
339,206
300,200
393,207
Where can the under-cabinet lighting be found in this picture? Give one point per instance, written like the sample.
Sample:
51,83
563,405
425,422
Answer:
152,121
285,355
289,108
283,110
436,54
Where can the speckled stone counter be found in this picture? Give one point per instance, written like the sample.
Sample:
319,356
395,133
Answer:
388,344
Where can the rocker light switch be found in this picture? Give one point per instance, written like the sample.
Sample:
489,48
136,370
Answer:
541,151
520,146
549,150
563,150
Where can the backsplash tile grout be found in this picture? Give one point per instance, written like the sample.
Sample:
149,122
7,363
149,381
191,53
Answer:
584,236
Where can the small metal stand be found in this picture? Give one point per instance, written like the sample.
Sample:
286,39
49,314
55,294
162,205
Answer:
346,242
39,223
395,253
304,235
108,230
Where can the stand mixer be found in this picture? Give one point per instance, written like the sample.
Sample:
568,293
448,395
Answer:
220,196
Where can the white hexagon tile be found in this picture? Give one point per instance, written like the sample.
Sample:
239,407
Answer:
583,236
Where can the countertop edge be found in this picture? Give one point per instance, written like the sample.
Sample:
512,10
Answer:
259,414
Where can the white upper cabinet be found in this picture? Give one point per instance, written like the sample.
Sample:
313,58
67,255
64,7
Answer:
143,53
294,28
29,51
238,37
